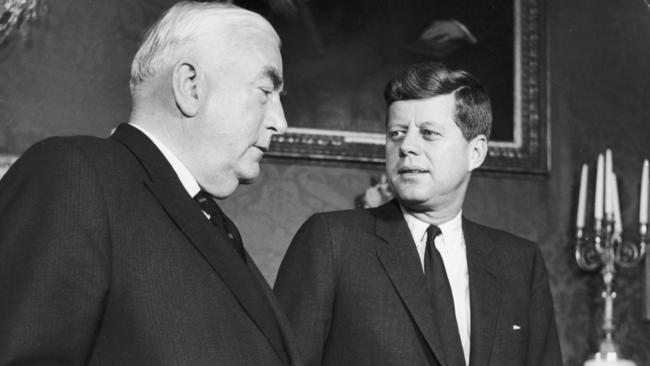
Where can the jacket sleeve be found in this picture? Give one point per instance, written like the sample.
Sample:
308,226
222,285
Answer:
543,342
305,287
54,261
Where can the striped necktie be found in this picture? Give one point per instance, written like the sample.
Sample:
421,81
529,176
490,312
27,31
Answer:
220,221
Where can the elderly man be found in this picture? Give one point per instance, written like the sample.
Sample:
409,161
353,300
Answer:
114,251
413,282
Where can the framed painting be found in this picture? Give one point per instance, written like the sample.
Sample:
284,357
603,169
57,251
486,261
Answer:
339,55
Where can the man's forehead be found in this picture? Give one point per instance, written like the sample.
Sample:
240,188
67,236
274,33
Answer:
437,105
429,111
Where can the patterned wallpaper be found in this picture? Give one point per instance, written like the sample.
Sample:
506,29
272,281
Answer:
71,77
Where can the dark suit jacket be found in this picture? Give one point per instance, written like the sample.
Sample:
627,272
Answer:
353,289
106,260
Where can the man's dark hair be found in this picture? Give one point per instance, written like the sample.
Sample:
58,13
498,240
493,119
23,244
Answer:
430,79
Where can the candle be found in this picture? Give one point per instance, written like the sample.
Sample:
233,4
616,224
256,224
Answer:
608,184
616,204
582,197
598,203
643,202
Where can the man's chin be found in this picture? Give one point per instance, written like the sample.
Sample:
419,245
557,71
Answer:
410,193
249,176
412,202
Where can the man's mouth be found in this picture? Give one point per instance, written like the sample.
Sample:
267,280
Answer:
412,170
264,149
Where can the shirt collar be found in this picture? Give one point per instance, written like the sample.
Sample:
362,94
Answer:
187,179
418,228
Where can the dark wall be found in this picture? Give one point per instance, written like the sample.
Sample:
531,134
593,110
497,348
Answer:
600,84
72,77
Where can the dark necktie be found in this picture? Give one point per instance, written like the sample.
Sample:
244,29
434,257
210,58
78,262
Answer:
220,221
443,301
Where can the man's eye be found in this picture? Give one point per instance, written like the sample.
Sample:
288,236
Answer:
429,133
267,92
395,134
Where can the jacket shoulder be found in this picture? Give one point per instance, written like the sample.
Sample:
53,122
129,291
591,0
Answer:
344,222
501,239
64,148
71,151
344,216
360,217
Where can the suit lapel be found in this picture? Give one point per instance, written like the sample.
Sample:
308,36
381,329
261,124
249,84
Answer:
402,264
282,321
484,289
168,190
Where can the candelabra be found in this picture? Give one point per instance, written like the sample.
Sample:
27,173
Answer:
605,249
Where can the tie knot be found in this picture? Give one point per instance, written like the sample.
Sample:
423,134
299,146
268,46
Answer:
201,196
206,203
220,220
432,232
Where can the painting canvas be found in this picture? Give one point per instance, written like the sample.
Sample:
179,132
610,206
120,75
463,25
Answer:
340,54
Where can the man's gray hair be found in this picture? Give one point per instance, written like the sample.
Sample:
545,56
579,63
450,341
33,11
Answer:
182,26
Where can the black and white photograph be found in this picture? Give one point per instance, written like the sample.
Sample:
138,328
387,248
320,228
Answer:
324,182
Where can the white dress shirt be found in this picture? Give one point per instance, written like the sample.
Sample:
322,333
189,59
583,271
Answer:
186,178
451,245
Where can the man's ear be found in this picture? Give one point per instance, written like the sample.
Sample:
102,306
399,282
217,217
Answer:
185,88
478,149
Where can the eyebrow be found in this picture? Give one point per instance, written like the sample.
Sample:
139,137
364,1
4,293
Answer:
428,123
273,74
421,124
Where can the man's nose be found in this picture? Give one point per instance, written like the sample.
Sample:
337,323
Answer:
275,118
410,143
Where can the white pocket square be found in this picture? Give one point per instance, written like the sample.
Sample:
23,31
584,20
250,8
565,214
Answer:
516,327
